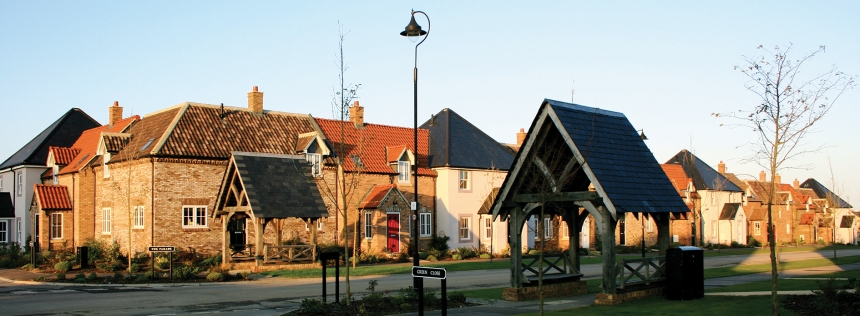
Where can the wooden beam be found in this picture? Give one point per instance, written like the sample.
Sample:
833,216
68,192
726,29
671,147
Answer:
557,197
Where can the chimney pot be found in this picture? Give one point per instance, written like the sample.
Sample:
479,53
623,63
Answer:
721,167
796,184
114,113
356,115
521,137
255,101
255,89
762,176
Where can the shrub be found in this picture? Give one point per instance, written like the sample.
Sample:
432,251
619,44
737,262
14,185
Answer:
92,276
61,276
141,278
215,277
533,252
117,276
456,298
457,257
402,257
63,266
422,255
129,278
485,256
244,275
28,266
212,261
11,255
162,263
185,272
440,243
80,276
432,258
109,266
754,242
293,241
466,252
134,268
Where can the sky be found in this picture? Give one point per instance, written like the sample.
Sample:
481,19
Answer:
667,65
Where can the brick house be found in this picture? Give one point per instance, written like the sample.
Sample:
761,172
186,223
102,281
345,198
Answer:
70,168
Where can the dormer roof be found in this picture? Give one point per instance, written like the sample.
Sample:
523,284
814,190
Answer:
53,197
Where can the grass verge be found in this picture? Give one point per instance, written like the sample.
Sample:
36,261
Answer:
757,268
796,284
709,305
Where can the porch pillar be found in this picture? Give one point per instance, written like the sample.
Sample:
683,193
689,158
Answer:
514,239
226,252
259,227
663,241
606,226
573,229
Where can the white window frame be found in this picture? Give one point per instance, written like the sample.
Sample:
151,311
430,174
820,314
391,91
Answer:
138,217
649,224
4,231
547,227
192,217
56,226
403,171
368,225
565,232
20,183
425,224
465,181
55,170
465,228
319,225
106,221
316,164
757,228
487,223
1,183
787,228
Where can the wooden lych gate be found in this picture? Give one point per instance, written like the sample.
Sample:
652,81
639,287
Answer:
578,161
259,189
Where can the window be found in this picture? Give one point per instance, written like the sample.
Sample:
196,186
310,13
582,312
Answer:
565,232
713,198
194,216
488,227
106,169
403,171
138,217
4,231
20,188
424,225
106,227
802,238
315,160
649,224
757,228
56,225
465,227
465,184
368,225
55,170
1,183
319,225
547,227
788,228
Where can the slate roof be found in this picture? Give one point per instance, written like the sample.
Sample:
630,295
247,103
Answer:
62,133
373,143
53,197
823,193
279,186
197,131
730,210
704,177
7,210
454,142
378,195
88,143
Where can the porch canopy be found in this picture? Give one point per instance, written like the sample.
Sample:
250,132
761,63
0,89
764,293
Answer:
578,159
265,188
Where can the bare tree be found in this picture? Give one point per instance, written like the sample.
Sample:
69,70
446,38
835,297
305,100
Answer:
790,105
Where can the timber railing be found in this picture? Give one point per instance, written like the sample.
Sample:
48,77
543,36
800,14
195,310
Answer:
242,251
289,253
556,268
640,271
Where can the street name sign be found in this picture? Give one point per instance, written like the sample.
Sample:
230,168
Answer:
162,249
429,273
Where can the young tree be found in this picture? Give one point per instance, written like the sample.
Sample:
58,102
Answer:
789,106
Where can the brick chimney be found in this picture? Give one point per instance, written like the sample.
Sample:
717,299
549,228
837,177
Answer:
114,113
255,101
356,115
777,179
762,176
721,167
521,137
796,184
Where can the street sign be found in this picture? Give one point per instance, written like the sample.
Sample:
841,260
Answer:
162,249
429,273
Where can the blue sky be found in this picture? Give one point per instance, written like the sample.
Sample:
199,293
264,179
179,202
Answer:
667,65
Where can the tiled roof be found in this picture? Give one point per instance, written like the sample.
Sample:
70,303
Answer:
394,153
62,155
88,143
823,192
676,175
730,210
62,133
760,192
376,196
53,197
847,222
194,130
370,143
7,210
114,142
704,177
758,214
279,186
454,142
807,219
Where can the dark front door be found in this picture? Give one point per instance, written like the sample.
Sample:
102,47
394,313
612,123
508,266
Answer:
236,228
393,232
621,238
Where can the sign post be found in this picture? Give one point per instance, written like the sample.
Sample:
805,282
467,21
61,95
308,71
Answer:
433,273
326,256
167,249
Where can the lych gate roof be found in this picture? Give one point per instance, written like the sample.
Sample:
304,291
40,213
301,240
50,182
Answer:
454,142
704,177
62,133
276,186
595,147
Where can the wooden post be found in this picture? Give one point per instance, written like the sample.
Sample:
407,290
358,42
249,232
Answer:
225,249
515,229
607,233
258,244
663,241
574,227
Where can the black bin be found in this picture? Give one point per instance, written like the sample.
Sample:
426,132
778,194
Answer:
685,273
84,257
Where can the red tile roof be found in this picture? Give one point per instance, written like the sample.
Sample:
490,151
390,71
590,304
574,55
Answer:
374,143
53,197
376,196
807,219
88,143
62,155
677,176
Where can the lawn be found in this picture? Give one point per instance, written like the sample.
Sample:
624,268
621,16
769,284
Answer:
709,305
757,268
797,284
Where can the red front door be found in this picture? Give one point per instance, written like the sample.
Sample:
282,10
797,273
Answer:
393,232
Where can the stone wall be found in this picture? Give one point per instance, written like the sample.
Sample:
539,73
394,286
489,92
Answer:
549,290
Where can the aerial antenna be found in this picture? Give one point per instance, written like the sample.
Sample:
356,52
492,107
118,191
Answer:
572,89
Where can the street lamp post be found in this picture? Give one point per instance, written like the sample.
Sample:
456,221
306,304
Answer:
413,31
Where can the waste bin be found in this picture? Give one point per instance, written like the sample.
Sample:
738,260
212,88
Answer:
685,273
84,257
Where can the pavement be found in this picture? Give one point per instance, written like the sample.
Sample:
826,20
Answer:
501,307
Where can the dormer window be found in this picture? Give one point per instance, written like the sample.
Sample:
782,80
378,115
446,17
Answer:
403,168
315,160
314,148
105,167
